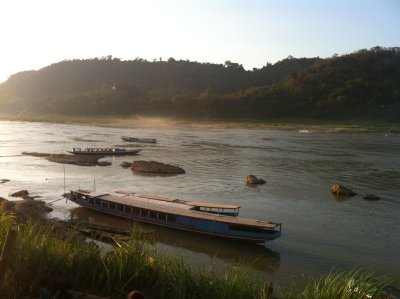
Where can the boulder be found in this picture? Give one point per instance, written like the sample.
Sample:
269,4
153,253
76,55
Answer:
80,160
22,193
371,197
126,164
104,163
253,180
26,208
2,181
36,154
155,167
341,190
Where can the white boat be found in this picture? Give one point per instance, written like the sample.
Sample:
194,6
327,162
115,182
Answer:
103,151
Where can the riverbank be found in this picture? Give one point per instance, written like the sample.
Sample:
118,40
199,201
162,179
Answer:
356,126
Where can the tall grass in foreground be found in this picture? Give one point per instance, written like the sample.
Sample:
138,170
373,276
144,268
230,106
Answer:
42,259
354,284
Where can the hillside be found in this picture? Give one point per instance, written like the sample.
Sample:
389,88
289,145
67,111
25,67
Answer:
361,85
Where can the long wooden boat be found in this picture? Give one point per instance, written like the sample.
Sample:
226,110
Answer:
103,151
142,140
217,220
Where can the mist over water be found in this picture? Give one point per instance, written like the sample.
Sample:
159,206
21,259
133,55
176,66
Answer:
319,231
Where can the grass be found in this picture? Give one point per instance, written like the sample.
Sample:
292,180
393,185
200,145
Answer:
44,259
41,259
354,284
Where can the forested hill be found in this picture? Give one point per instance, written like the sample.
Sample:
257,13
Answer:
364,84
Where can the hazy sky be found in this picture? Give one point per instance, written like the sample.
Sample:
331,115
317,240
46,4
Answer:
36,33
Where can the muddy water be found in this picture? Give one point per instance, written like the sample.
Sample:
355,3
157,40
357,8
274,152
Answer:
320,232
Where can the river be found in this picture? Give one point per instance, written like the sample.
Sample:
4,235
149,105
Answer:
319,231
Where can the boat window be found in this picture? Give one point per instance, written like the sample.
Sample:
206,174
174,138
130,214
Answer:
104,204
128,209
153,214
171,218
136,211
91,200
112,205
97,202
162,216
247,228
120,207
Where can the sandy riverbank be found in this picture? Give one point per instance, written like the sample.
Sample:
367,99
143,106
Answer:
164,122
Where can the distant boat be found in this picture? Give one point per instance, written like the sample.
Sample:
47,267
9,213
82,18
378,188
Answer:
142,140
217,220
103,151
393,130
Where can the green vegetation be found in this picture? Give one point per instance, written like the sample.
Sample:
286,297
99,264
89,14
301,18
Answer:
45,259
363,85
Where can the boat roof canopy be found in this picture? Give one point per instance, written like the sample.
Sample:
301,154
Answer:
157,197
190,203
211,205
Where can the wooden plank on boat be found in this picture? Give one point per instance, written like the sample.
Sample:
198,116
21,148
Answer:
84,191
124,192
210,205
157,197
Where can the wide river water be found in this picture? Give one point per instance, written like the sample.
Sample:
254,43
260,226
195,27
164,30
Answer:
319,231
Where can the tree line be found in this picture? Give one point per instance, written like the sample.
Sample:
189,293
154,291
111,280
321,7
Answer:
364,84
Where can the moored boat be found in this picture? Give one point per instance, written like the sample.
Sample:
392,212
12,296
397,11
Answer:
218,220
142,140
103,151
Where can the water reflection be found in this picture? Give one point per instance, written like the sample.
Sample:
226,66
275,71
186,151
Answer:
341,198
257,256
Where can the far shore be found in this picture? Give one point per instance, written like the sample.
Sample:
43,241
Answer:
350,126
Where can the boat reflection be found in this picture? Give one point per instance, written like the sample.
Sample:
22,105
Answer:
256,256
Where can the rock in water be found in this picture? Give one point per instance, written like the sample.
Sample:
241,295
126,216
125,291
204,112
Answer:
156,167
22,193
126,164
104,163
371,197
253,180
341,190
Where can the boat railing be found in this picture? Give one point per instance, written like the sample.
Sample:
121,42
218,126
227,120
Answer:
275,226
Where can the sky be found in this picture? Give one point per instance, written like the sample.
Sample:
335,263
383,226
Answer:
37,33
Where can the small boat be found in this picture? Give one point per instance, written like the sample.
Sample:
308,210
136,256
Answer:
217,220
142,140
103,151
